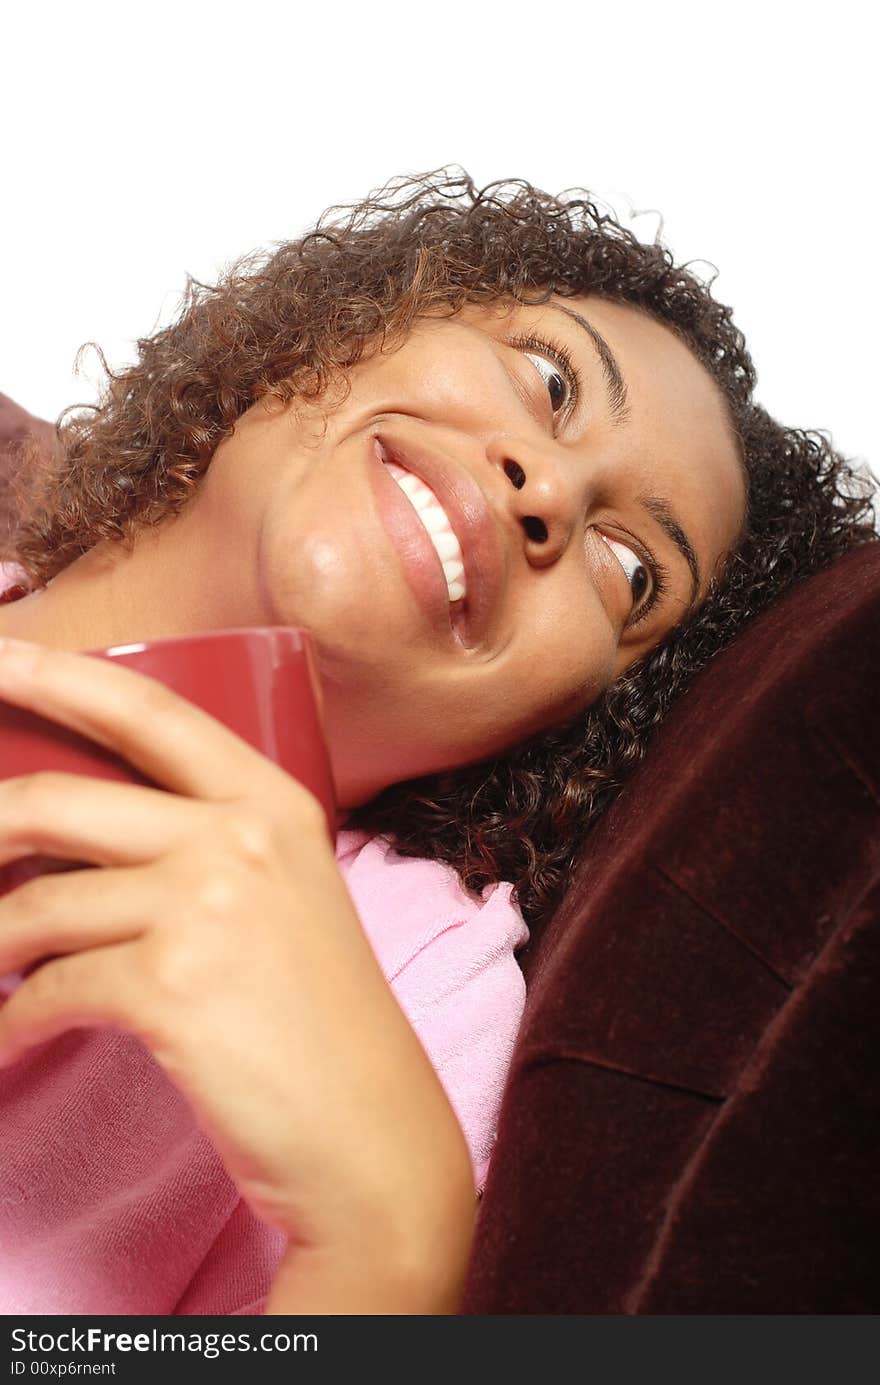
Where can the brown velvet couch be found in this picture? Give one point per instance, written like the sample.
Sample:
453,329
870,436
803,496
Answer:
692,1118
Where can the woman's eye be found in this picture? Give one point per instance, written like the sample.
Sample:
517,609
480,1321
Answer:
557,385
637,574
556,368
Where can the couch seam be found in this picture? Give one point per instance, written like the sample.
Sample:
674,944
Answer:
723,924
780,1021
588,1060
823,733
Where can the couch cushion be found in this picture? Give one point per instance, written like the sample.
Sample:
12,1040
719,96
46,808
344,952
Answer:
692,1112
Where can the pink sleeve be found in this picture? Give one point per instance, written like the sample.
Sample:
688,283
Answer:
464,995
450,961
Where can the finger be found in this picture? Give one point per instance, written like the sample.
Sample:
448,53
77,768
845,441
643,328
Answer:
53,916
169,739
87,990
101,821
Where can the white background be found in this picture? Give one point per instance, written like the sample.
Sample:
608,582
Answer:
142,142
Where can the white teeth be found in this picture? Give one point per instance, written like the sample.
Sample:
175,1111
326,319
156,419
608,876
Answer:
446,545
407,482
454,571
440,531
434,519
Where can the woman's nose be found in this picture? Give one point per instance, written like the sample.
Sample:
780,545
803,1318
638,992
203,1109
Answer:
547,497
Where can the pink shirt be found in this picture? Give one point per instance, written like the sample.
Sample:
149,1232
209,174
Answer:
113,1201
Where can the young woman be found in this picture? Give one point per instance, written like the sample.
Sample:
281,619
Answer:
505,464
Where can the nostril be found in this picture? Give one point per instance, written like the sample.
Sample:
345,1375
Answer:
535,528
516,474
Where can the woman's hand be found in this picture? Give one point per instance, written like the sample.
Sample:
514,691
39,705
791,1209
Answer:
218,929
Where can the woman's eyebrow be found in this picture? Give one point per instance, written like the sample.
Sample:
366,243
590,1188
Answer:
618,399
661,510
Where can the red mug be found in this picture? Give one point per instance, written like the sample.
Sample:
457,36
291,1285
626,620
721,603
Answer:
262,683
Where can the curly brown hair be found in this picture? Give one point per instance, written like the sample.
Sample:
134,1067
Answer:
292,322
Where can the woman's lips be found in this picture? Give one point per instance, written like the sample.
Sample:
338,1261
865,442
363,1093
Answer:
418,557
472,522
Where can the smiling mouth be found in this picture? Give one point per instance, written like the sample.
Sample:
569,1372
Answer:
435,522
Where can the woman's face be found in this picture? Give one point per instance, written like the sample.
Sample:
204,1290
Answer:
590,505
